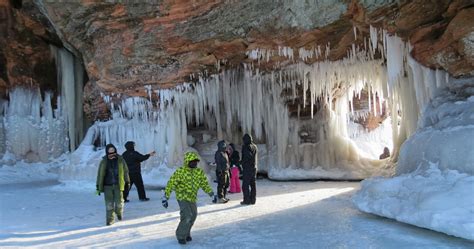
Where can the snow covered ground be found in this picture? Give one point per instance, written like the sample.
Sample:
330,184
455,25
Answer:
287,215
441,200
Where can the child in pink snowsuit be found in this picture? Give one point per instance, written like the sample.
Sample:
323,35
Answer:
234,159
234,180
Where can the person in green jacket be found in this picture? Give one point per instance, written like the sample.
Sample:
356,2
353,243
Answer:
186,181
112,178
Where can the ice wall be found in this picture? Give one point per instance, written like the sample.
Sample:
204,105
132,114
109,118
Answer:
433,184
32,129
70,85
245,100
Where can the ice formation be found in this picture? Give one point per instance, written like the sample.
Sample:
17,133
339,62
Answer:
71,83
432,187
437,199
245,100
31,129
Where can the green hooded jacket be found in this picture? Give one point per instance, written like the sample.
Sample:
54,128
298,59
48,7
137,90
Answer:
186,181
122,171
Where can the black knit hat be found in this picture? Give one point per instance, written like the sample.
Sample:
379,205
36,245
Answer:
130,146
107,147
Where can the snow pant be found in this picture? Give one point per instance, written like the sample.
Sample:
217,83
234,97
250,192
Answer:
135,178
113,202
188,214
249,187
234,180
222,183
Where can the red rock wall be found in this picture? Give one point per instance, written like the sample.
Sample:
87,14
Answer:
126,46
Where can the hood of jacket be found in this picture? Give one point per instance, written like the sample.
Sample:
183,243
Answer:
232,146
247,138
130,146
190,156
221,146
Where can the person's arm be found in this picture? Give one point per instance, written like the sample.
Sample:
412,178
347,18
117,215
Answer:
204,183
246,157
125,172
139,157
220,161
97,183
171,185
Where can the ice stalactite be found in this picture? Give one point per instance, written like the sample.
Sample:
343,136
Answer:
245,100
33,130
411,86
71,84
254,101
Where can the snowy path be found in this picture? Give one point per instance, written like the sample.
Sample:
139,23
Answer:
287,215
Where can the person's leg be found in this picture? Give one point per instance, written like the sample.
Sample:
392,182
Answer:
140,187
245,188
220,185
253,191
109,204
118,202
185,221
226,183
193,208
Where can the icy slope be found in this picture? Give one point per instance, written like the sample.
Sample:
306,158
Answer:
434,199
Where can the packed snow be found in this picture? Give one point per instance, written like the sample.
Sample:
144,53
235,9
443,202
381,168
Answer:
306,214
440,200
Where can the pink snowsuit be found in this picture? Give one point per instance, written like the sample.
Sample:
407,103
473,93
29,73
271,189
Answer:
234,181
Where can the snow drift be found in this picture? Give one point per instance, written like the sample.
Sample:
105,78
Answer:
440,200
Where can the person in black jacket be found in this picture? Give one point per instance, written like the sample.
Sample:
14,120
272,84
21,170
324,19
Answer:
249,167
222,171
133,159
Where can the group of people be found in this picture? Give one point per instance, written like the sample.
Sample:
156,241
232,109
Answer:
116,175
229,166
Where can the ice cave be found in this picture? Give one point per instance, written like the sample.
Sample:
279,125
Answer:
323,86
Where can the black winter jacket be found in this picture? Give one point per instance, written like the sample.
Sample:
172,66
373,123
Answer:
133,159
249,155
221,158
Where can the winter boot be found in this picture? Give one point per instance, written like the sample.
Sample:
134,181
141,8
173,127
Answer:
189,238
222,200
182,241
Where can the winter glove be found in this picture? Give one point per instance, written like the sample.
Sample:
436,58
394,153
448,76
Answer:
97,192
164,202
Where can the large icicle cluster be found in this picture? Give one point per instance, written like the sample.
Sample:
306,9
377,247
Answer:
245,100
32,129
71,84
